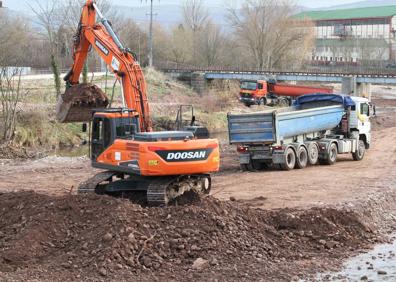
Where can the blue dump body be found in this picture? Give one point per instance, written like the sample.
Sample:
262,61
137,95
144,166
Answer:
276,125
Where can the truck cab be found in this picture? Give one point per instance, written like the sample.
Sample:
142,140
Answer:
359,119
253,92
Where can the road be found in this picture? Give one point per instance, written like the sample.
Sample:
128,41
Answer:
314,186
318,185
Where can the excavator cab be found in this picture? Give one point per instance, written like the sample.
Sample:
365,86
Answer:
111,124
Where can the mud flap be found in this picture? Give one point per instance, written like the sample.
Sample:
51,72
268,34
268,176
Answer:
78,103
244,158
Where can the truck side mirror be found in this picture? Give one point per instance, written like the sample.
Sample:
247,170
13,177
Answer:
84,127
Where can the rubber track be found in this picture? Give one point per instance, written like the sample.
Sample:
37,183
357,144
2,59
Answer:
156,192
90,185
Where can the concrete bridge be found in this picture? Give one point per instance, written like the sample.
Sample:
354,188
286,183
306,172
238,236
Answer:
356,83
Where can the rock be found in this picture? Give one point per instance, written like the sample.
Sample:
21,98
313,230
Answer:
130,262
195,248
331,244
214,261
147,262
181,247
232,199
131,238
102,271
107,237
364,278
381,272
322,242
85,246
200,264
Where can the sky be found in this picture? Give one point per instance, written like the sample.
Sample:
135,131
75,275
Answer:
16,4
307,3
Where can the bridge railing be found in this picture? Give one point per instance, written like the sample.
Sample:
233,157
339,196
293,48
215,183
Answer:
375,70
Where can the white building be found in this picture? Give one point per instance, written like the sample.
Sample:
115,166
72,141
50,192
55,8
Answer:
354,36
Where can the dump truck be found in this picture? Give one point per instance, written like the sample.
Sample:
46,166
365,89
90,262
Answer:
262,92
315,129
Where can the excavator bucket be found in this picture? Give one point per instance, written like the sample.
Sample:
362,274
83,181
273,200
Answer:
78,103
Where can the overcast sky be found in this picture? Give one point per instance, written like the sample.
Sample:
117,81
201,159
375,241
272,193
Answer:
16,4
308,3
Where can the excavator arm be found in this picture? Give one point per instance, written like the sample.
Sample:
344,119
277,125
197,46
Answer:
101,37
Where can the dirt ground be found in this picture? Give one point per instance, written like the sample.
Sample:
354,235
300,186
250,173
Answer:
308,221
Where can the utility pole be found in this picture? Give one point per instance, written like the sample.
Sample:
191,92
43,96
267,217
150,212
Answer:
152,14
151,35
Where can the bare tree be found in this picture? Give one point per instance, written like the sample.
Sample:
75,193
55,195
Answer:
15,37
195,19
10,96
210,44
14,47
48,16
181,45
267,30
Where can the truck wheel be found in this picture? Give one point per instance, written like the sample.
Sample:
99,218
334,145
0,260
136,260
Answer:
254,165
302,158
245,167
263,101
332,156
313,153
361,150
290,160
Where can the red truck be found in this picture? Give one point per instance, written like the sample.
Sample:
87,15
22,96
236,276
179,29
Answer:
262,92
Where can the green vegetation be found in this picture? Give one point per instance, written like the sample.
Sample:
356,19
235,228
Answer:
37,129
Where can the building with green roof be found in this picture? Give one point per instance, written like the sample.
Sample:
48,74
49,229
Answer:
354,35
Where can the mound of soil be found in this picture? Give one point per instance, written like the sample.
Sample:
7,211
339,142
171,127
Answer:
99,237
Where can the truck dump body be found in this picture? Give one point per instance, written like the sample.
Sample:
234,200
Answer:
276,125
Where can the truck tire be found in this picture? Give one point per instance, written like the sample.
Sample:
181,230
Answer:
332,155
302,158
290,160
263,101
246,167
313,153
359,154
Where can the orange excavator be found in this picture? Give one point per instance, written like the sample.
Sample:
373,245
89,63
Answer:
165,165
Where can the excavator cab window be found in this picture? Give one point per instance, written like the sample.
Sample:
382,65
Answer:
126,128
101,135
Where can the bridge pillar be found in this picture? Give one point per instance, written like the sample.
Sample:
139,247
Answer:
364,90
351,87
199,83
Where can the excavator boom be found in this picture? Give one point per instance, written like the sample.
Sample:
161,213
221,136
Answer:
78,101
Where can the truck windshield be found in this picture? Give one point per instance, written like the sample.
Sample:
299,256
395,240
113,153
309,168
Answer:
248,85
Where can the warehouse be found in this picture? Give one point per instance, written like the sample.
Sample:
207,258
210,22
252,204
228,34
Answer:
354,36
